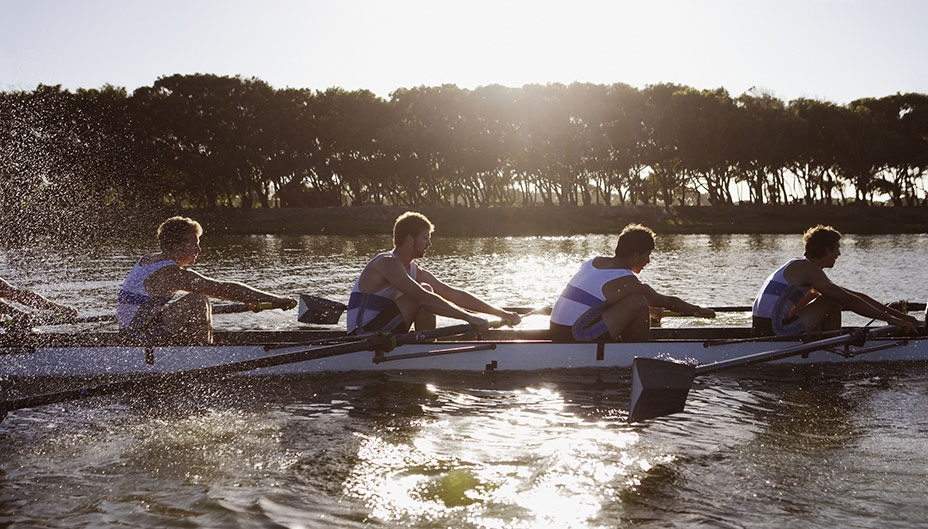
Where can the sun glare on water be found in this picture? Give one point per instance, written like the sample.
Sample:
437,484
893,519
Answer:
521,460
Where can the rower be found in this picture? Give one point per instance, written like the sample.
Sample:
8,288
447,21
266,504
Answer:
145,311
605,301
27,297
393,292
798,297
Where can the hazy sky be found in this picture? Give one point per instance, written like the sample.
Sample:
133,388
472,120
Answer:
835,50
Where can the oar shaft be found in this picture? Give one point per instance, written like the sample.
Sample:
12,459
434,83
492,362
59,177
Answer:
228,308
785,352
910,307
378,342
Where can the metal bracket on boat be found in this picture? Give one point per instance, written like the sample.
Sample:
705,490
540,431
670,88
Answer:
379,352
149,355
847,353
600,351
380,357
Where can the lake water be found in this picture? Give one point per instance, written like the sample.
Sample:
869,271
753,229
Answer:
763,447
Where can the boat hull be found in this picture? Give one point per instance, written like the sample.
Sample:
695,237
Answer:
503,354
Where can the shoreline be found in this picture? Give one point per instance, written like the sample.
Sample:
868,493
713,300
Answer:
552,220
85,226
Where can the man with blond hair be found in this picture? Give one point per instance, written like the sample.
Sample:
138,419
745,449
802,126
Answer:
798,297
145,310
393,292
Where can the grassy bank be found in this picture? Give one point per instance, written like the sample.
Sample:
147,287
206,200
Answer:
552,220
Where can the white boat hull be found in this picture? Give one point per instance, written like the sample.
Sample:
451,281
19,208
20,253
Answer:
514,355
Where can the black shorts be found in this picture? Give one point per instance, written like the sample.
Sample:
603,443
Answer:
389,320
764,326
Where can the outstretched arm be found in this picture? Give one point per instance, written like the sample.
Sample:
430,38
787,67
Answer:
15,313
885,309
860,303
394,272
32,299
467,300
191,281
675,304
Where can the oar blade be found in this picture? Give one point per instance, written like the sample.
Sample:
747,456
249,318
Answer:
313,309
659,388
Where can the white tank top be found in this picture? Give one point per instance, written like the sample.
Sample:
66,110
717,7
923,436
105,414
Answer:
777,295
584,290
372,310
133,295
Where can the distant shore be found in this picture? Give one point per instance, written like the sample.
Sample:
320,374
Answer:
539,220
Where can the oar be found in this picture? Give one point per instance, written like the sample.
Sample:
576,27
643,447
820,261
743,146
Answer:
673,314
906,306
382,342
805,336
314,309
229,308
544,310
902,306
660,387
529,311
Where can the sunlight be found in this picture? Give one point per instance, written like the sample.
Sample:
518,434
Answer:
522,461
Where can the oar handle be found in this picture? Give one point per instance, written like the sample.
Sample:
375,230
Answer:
530,311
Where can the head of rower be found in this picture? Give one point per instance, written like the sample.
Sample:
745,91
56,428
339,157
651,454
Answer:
822,245
179,239
412,235
634,247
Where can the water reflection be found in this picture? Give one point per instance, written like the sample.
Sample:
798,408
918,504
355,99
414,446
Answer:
548,450
498,458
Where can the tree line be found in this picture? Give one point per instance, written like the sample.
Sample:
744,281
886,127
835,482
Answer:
212,141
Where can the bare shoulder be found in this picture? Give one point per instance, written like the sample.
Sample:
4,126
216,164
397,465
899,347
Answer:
381,272
383,264
622,286
166,281
803,272
151,259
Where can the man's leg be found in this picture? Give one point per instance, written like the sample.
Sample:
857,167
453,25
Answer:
413,313
189,319
629,320
822,314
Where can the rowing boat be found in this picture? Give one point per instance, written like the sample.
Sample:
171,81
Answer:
107,353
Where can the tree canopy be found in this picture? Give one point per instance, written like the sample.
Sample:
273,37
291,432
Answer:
210,141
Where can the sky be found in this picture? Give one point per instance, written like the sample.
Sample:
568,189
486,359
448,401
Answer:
830,50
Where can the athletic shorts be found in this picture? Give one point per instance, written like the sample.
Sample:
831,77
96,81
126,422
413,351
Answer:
589,327
389,320
770,327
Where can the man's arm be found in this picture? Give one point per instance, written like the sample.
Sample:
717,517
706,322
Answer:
619,288
885,308
467,300
396,275
190,281
850,300
675,304
32,299
15,313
